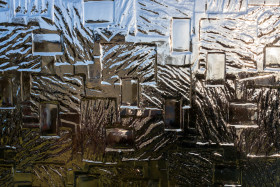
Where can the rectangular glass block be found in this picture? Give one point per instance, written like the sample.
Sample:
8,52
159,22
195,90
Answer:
243,114
172,114
272,59
215,68
46,43
130,92
181,34
119,138
99,11
6,92
49,119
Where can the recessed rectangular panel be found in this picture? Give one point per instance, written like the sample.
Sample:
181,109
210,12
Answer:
215,68
181,34
119,138
172,114
46,43
6,90
243,114
49,119
99,11
272,58
130,92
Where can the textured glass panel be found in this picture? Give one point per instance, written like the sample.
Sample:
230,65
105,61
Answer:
139,92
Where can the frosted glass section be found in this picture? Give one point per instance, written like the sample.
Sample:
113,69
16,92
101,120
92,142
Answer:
272,57
99,11
215,67
181,35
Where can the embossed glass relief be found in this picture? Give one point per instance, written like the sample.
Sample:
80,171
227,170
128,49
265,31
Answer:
139,92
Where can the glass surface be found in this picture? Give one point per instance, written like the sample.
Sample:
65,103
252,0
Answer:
172,114
49,119
139,93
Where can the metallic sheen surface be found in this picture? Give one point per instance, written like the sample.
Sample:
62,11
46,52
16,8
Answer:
139,92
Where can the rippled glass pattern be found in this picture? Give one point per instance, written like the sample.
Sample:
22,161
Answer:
139,92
